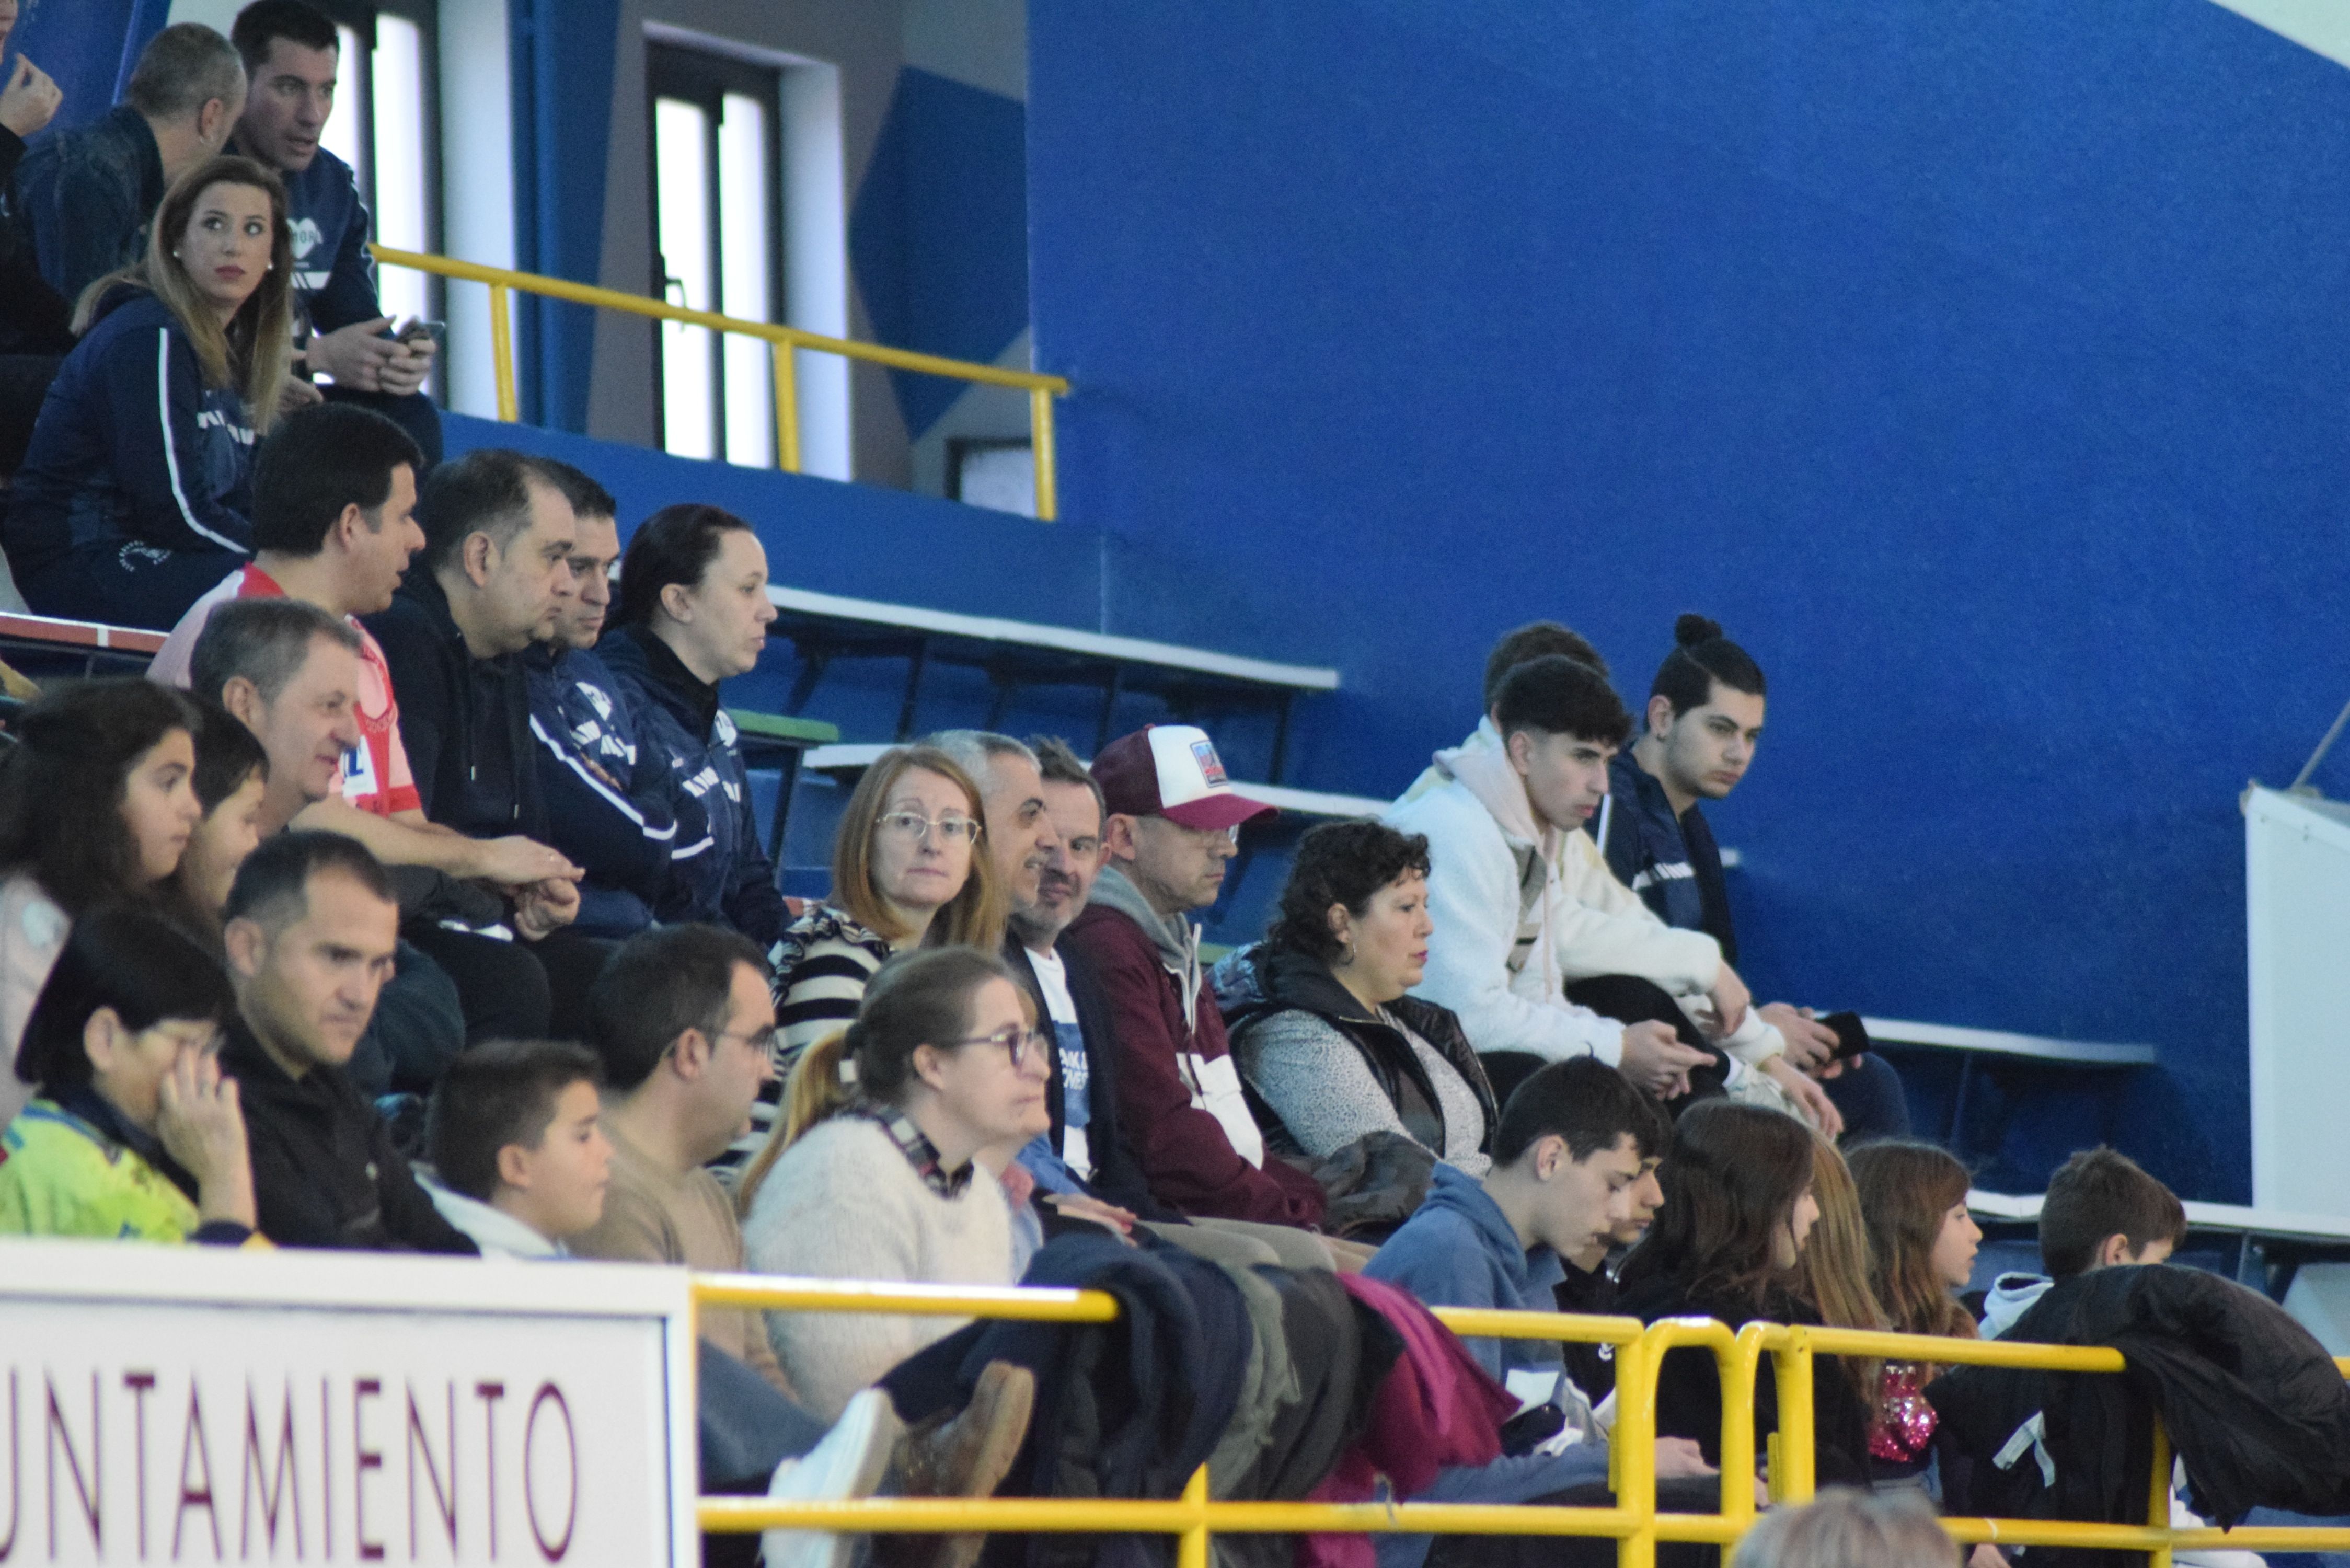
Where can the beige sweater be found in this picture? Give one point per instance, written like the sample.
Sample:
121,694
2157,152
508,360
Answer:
844,1204
651,1215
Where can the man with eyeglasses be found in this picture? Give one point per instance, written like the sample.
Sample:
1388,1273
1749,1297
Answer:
681,1019
1172,824
1043,833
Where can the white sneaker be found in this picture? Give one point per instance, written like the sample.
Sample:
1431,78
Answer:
849,1463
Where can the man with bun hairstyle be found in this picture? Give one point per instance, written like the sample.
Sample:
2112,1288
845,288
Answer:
1538,947
1173,822
1704,721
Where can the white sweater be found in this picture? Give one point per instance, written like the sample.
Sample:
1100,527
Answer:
844,1204
1521,914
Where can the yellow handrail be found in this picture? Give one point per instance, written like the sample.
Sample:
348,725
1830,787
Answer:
1635,1521
501,281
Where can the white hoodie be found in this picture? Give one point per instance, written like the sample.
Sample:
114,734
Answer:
1521,911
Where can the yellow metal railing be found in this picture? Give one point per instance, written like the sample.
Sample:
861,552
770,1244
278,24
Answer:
1635,1521
782,340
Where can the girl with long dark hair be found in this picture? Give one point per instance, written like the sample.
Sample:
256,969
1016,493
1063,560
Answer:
1739,1207
95,807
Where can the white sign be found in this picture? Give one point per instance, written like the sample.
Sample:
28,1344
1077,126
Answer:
199,1406
2297,923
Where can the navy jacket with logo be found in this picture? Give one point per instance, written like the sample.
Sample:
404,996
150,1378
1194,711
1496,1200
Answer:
333,273
725,876
1672,863
609,796
132,448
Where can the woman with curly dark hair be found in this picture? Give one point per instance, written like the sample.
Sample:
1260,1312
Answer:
96,805
1329,1043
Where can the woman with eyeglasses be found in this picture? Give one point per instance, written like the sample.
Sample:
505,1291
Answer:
907,872
886,1179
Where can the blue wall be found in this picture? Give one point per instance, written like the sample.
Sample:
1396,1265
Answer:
938,236
1982,366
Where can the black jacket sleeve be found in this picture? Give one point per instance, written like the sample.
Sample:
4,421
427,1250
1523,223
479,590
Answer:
410,1218
753,903
34,318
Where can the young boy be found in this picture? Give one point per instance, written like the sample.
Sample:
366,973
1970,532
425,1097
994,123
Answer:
520,1163
1569,1156
2102,1211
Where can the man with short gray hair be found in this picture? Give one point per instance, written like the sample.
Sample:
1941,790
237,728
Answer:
290,673
86,196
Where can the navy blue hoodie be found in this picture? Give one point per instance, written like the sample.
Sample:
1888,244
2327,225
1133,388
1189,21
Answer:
132,446
725,876
613,817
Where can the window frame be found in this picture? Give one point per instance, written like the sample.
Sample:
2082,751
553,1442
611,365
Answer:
704,79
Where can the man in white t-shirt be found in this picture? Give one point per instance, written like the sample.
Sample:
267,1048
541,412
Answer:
1043,833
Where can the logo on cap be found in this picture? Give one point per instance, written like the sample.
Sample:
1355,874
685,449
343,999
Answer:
1211,767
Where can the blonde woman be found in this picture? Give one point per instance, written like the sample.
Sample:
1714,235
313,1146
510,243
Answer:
135,495
907,872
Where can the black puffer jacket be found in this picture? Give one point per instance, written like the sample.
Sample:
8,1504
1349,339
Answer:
2255,1407
1258,982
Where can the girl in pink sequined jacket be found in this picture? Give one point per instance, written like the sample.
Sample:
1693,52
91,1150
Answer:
1913,1196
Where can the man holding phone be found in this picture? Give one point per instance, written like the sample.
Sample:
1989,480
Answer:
1703,721
291,54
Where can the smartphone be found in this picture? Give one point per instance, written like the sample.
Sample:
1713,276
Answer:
436,330
1852,1036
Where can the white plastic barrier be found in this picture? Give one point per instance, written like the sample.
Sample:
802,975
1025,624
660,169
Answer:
2297,919
195,1405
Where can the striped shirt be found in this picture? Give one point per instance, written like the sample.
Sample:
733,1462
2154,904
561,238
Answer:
822,964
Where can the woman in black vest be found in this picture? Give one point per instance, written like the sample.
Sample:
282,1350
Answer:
1329,1044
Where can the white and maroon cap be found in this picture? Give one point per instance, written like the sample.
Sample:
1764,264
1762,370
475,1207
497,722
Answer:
1172,771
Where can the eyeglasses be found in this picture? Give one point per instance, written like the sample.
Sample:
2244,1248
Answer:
1023,1045
913,825
764,1041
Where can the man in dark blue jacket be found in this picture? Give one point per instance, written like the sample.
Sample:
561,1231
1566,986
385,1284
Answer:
609,801
1704,721
291,51
87,195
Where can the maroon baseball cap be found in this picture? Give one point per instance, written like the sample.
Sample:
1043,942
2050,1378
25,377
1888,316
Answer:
1172,771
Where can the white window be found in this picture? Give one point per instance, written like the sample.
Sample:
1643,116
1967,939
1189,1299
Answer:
749,220
716,211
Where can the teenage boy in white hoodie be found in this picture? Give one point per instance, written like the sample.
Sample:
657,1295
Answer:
1524,906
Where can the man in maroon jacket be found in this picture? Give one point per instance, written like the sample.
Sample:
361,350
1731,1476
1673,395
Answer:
1172,818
